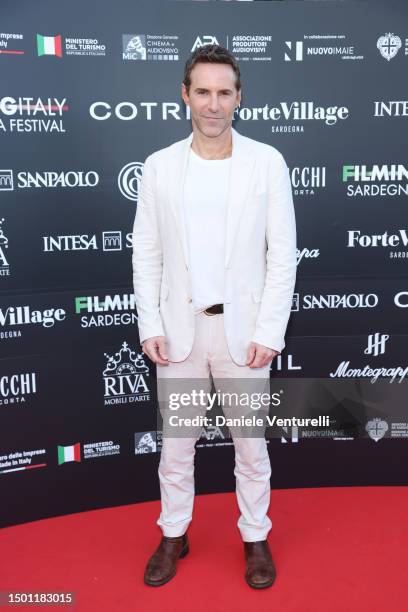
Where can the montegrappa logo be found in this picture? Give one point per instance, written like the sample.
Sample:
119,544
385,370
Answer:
125,377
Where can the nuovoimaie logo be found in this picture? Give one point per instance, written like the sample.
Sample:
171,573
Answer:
49,45
69,453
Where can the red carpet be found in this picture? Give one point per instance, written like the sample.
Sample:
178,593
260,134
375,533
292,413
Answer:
334,549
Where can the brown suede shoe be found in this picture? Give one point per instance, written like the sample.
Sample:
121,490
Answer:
260,569
162,565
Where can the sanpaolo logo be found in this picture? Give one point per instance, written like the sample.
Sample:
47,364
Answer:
333,301
70,178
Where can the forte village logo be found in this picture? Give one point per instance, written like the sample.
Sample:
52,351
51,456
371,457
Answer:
15,317
396,244
48,179
25,114
110,311
386,180
125,377
154,47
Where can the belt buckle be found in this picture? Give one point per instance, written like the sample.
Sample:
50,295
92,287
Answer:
209,314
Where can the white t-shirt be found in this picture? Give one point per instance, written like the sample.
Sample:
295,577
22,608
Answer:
205,206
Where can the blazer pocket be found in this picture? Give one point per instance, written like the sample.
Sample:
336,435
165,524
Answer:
257,295
164,291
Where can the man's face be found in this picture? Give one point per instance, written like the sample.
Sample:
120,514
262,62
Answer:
212,98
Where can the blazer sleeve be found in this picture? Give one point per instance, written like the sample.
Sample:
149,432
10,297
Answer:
276,303
147,256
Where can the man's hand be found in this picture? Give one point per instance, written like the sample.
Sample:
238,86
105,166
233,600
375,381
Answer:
259,356
155,349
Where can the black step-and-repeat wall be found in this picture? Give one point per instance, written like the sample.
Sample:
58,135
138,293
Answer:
87,91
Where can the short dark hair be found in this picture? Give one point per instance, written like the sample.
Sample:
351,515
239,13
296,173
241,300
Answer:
211,54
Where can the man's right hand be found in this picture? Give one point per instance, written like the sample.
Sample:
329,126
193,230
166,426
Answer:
155,349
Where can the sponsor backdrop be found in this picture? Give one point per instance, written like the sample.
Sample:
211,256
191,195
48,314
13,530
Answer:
87,91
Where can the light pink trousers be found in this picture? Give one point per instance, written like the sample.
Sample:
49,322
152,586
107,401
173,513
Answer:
252,471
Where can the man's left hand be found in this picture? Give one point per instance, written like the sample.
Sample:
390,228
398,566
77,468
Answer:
259,356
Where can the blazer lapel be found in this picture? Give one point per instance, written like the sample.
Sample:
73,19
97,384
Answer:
241,169
178,174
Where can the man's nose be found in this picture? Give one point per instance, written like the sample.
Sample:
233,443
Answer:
213,103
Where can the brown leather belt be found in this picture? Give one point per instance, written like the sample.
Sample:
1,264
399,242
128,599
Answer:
213,310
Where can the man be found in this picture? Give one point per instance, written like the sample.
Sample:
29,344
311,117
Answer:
214,265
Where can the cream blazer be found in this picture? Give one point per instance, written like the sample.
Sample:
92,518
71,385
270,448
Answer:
260,254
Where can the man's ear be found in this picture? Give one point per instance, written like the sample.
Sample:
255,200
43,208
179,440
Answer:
184,94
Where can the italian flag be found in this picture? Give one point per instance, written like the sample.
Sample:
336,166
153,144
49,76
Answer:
69,453
49,45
